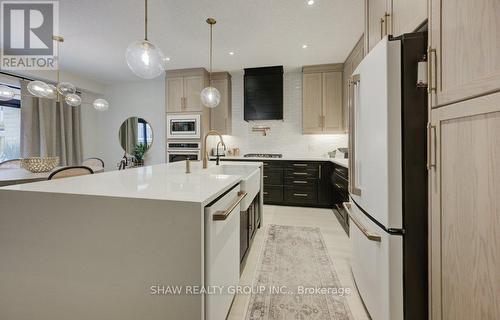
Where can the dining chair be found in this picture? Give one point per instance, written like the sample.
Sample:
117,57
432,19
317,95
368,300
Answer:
93,162
70,172
11,164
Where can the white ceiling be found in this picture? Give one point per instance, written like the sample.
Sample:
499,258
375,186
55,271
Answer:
260,32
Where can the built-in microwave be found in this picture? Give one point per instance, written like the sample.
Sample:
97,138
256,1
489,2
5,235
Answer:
182,150
185,126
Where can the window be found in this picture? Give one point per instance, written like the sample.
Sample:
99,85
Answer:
10,127
145,135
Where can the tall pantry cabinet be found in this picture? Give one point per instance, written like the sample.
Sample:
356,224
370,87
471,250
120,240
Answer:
464,159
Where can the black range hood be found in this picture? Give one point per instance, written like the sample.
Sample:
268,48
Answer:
263,93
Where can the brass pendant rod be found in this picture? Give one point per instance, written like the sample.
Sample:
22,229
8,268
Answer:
210,74
146,20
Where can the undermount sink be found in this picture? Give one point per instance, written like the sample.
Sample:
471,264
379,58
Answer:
250,182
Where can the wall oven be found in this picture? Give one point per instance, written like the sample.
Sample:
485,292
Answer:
185,126
180,151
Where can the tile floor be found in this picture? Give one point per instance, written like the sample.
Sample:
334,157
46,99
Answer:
336,241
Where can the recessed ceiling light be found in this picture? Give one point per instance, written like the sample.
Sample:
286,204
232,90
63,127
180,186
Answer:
304,46
231,53
167,59
310,2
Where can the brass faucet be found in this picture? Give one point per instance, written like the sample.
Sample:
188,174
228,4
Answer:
204,147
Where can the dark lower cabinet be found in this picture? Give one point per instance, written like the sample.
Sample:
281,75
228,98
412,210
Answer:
249,223
340,183
300,183
244,239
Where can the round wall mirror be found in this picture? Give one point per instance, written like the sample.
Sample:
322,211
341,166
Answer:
136,136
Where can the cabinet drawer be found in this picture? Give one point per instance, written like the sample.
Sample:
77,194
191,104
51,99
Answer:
301,183
272,164
340,184
302,165
273,194
301,195
342,172
273,177
302,174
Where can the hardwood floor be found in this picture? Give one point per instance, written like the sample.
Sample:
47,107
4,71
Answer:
337,244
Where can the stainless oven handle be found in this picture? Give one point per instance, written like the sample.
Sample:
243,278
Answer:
223,215
370,235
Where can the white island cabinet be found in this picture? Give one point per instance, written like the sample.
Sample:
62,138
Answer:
118,244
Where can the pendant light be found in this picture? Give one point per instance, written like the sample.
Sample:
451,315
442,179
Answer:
6,93
67,90
143,57
210,96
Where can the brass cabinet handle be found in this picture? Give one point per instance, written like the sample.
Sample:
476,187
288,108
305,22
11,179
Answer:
386,22
370,235
338,170
431,163
223,215
299,182
300,164
265,177
300,194
319,171
266,193
300,173
339,186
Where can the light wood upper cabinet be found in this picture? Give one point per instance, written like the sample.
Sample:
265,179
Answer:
175,94
378,21
183,89
466,60
192,89
312,107
322,99
221,116
332,102
407,15
350,65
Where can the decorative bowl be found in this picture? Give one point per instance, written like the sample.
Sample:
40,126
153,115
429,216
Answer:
40,164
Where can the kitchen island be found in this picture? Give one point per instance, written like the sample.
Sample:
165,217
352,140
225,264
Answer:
93,247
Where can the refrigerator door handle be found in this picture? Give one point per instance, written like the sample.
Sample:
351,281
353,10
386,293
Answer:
353,83
368,234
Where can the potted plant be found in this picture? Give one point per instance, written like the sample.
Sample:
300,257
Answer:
139,151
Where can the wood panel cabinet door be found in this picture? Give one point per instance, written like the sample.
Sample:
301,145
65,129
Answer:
175,94
407,15
192,90
378,21
465,53
332,102
220,116
465,210
312,104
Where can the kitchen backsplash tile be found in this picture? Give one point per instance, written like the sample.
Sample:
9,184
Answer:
285,136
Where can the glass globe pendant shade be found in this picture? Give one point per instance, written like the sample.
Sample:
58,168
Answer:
6,93
73,100
100,105
145,59
38,88
51,92
210,97
66,88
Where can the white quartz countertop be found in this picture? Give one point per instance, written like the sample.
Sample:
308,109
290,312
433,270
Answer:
159,182
339,161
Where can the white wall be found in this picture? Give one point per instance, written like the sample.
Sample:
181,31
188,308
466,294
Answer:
145,99
285,136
